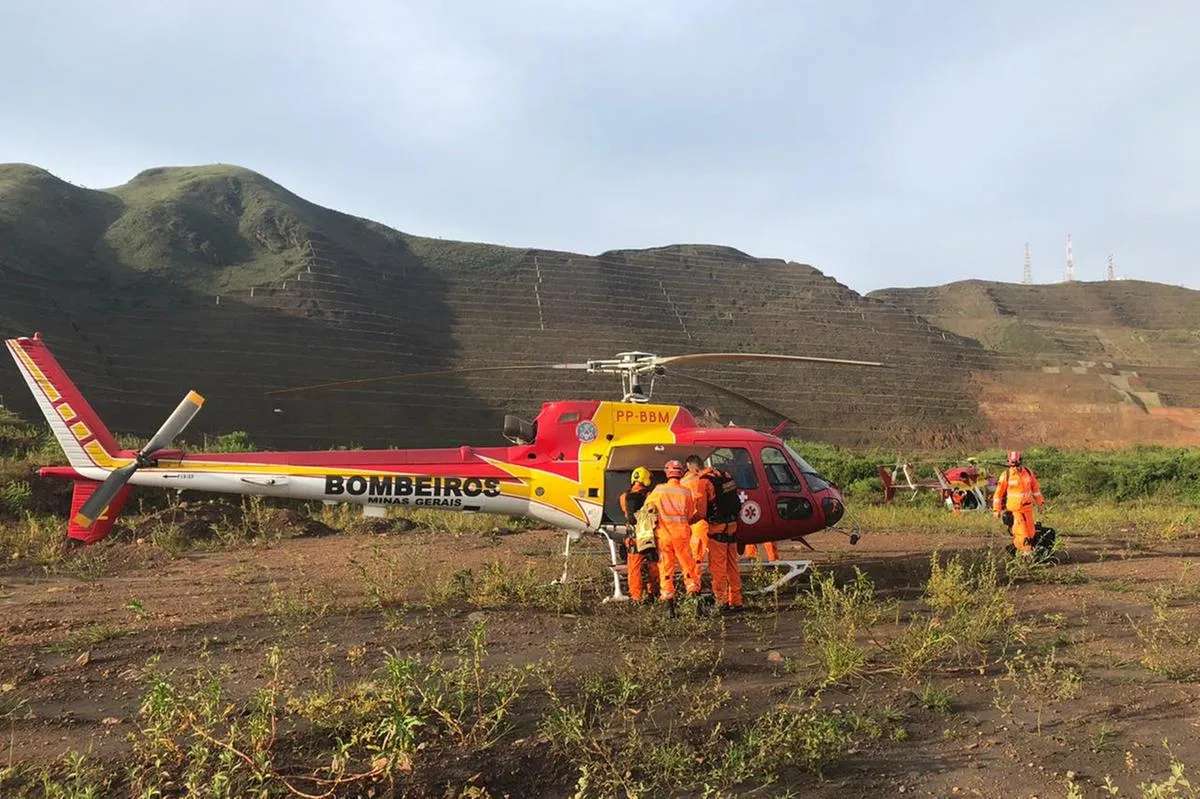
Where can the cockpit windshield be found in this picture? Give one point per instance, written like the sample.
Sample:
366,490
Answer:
815,480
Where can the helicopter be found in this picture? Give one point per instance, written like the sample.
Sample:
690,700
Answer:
565,468
963,487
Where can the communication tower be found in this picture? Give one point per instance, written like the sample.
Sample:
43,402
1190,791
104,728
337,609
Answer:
1070,261
1112,272
1028,276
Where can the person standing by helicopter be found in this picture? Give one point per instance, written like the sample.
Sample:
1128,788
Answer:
1017,491
676,509
702,490
721,513
640,543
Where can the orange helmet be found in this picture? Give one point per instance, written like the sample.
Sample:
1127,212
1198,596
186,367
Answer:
673,469
1014,458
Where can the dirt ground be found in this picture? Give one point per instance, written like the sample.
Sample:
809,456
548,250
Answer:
75,643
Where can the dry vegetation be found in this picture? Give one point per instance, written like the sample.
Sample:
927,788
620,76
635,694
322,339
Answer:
229,649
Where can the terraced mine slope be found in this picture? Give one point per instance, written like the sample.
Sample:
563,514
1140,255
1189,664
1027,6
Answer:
218,279
1091,363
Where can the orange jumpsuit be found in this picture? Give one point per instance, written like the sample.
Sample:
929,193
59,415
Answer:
636,560
676,507
1017,490
769,549
723,564
705,494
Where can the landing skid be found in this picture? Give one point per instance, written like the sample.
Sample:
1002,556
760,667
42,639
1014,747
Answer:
790,569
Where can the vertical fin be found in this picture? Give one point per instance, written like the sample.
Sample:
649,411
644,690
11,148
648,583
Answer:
85,439
103,525
889,488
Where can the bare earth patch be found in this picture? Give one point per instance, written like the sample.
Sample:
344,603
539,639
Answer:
1090,666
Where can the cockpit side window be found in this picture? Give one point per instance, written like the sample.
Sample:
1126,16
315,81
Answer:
815,481
779,472
737,462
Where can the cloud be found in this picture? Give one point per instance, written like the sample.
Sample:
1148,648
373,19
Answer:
912,142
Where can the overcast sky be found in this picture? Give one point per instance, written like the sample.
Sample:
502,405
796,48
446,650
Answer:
886,142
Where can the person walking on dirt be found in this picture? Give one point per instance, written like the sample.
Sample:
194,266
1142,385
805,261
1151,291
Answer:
640,543
702,489
676,509
1017,491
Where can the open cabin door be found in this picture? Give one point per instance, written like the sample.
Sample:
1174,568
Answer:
623,460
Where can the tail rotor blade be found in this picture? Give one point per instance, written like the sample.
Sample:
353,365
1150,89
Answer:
97,502
117,478
176,423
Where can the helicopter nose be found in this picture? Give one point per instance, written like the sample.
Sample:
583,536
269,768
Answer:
832,505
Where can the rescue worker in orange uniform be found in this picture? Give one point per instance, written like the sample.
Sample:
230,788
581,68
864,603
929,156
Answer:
1017,491
676,508
705,495
721,514
631,502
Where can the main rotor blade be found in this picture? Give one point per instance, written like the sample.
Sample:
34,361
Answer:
730,393
756,356
438,373
103,495
175,424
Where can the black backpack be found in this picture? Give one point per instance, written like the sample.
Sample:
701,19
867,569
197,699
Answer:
1042,543
727,506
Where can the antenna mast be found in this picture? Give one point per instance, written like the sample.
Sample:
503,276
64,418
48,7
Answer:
1112,272
1028,276
1070,260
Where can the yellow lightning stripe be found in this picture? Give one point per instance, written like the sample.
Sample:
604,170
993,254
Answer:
80,430
100,457
47,387
560,493
66,412
210,467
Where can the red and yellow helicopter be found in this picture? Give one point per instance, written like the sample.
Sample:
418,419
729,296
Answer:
567,468
963,487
